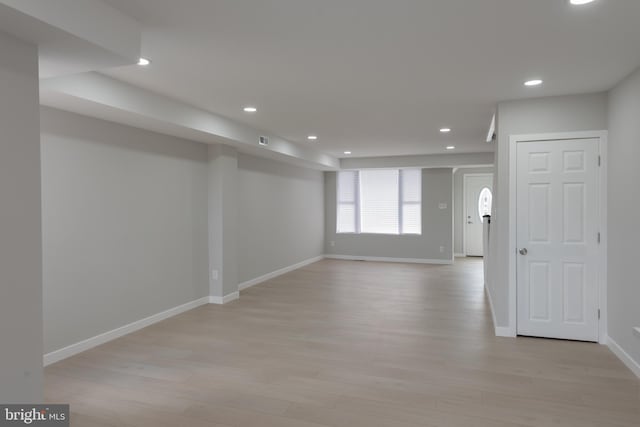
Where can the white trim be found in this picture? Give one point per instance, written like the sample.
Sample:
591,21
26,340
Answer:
624,356
225,299
602,194
464,204
280,272
79,347
385,259
500,331
505,331
458,255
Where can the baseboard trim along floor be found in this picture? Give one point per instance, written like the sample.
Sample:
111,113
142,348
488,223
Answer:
385,259
89,343
97,340
280,272
624,356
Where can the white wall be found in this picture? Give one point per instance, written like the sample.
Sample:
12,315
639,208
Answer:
223,221
20,233
124,225
437,225
624,203
458,205
280,215
542,115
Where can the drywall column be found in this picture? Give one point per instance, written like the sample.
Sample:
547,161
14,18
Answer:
623,292
223,264
20,225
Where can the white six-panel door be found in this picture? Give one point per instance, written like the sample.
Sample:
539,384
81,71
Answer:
557,239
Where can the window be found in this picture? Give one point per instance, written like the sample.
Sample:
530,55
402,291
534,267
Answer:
380,201
484,203
347,206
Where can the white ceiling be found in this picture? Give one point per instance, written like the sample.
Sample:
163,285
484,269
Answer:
378,77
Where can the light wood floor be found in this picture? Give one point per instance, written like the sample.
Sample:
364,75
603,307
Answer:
351,344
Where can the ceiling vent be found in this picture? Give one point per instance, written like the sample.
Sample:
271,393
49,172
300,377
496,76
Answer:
263,140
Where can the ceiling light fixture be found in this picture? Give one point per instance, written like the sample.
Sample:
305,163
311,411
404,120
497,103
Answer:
144,61
250,109
535,82
347,152
312,137
445,130
580,2
451,147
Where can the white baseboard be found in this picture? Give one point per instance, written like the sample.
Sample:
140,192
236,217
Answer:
504,331
225,299
624,356
89,343
385,259
460,255
500,331
280,272
79,347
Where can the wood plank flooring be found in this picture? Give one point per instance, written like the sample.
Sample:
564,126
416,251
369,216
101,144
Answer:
346,344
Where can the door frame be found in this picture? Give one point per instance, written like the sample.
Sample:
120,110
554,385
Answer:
464,205
601,136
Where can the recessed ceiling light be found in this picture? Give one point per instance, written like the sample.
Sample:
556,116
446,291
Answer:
347,152
250,109
535,82
445,130
312,137
451,147
580,2
143,61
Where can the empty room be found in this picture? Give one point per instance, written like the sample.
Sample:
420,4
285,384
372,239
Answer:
305,213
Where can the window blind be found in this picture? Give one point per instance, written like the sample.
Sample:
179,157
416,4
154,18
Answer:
379,191
411,202
347,201
385,201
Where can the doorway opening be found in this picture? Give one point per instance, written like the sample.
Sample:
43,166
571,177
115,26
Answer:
477,202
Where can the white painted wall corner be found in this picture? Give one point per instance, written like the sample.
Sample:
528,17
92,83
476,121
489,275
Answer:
626,358
225,299
500,331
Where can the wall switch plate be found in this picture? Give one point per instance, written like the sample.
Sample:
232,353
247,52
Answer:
637,331
214,274
442,206
332,243
441,249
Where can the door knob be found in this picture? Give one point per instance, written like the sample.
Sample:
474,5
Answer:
523,251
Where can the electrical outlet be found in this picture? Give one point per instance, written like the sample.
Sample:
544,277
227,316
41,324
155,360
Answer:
214,274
